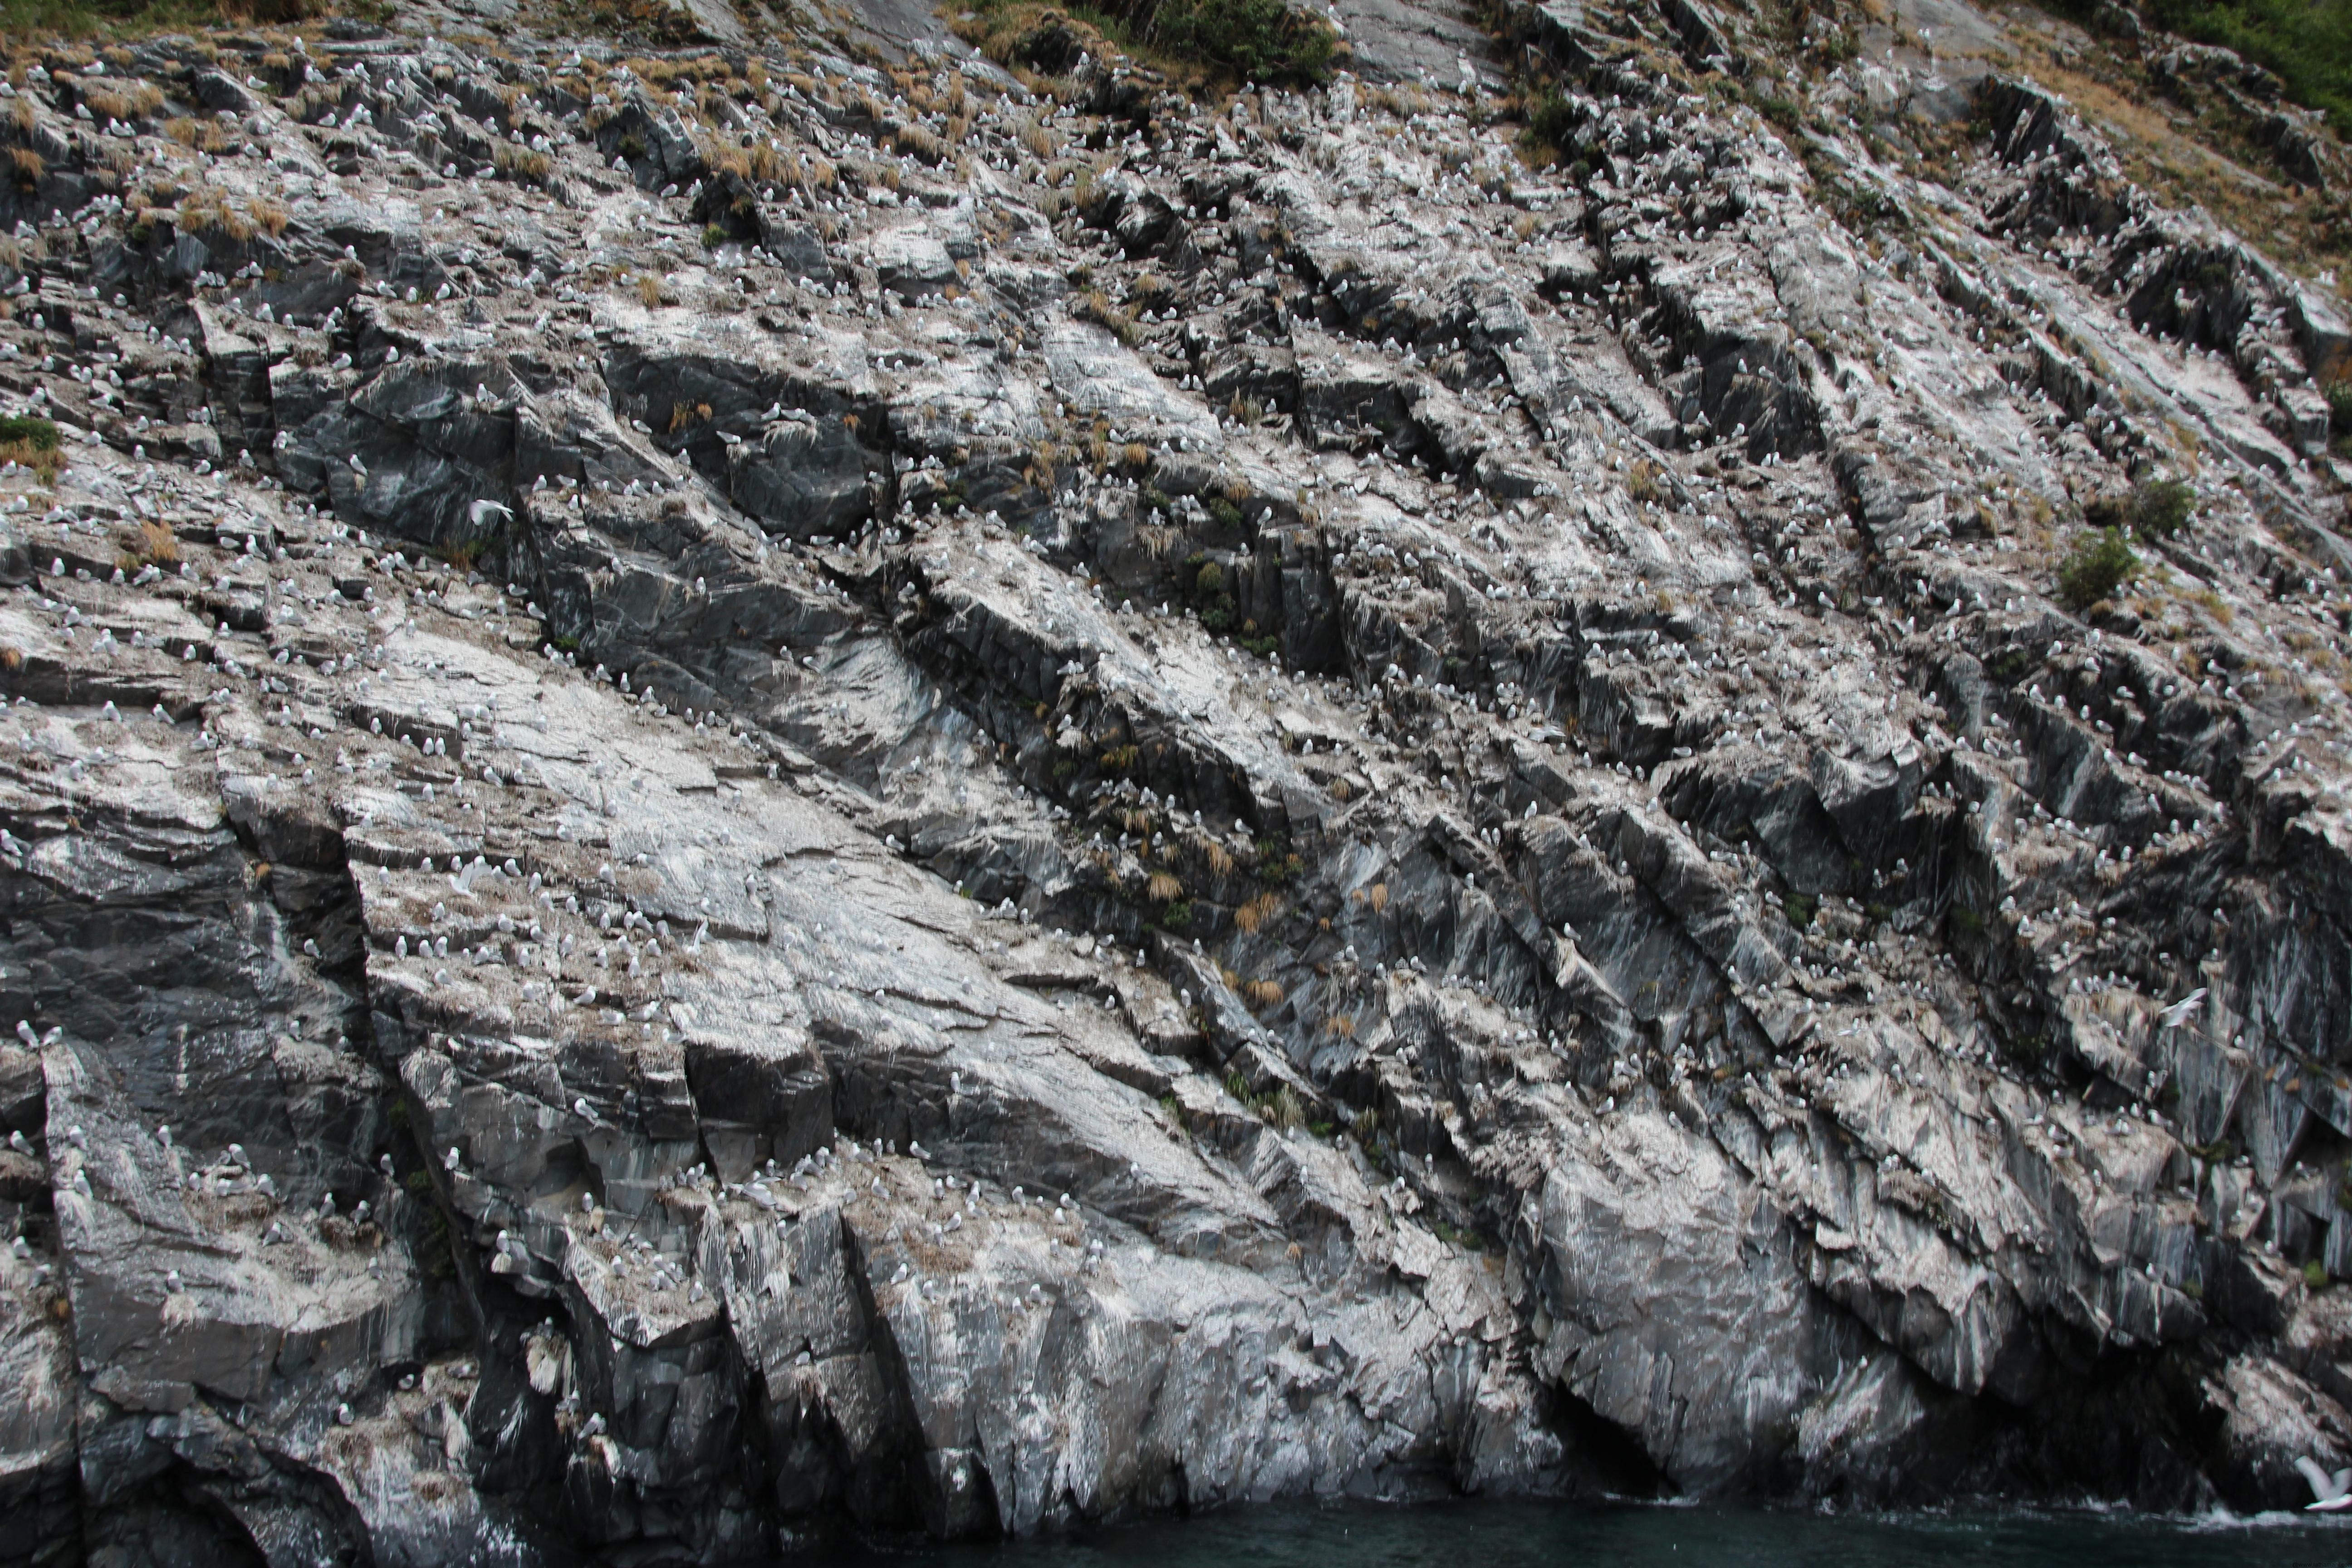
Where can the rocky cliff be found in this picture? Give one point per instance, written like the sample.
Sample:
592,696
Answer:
821,779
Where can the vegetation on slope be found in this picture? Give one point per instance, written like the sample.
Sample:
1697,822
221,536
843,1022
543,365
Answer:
2308,43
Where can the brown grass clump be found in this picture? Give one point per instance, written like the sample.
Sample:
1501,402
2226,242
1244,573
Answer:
921,142
1163,887
201,135
44,458
522,163
1253,915
28,164
1261,994
757,162
1642,484
132,103
649,290
154,545
210,210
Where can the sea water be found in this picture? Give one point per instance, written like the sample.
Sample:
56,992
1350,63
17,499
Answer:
1583,1535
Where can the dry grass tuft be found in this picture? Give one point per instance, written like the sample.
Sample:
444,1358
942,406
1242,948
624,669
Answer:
1253,915
155,544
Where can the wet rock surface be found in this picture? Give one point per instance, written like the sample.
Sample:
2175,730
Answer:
747,794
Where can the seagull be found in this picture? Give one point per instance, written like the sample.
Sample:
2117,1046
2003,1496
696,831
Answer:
2329,1493
479,512
2172,1017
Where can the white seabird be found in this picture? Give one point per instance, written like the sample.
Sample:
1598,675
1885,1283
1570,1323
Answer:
2172,1017
2329,1493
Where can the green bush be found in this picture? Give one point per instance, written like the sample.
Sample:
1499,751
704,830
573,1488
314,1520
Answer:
713,238
2157,508
1800,909
1552,121
2101,562
2160,508
2339,410
2315,1274
40,435
1256,40
2307,42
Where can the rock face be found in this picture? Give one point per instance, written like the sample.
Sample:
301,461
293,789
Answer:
741,794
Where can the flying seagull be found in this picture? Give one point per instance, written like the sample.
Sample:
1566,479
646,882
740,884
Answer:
2329,1493
2172,1017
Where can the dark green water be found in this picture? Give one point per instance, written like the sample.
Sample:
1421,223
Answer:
1555,1535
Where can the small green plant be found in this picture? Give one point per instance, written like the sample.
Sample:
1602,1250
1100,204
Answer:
1800,909
1258,40
2339,409
40,435
1781,111
2315,1274
2099,564
2157,508
713,238
1552,121
2026,1050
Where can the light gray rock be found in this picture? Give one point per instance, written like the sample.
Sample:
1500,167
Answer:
965,819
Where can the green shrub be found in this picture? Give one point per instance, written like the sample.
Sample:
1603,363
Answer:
2160,508
2307,42
1552,121
40,435
2315,1274
713,238
1800,909
2157,508
2339,410
2101,562
1262,40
